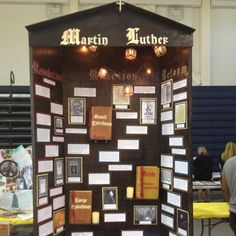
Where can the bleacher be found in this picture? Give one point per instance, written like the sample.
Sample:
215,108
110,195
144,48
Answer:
15,116
213,119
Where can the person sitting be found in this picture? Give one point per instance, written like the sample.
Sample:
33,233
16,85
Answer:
230,150
202,171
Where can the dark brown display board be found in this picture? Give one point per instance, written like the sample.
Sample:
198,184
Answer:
149,130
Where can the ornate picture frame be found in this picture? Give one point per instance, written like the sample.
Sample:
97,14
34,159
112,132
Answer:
167,178
74,170
58,125
167,94
148,111
182,222
119,100
145,215
77,111
110,198
59,221
181,115
42,189
58,171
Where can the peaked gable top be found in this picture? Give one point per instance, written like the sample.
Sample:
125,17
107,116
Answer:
107,23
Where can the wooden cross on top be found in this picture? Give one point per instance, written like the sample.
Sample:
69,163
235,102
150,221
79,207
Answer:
120,3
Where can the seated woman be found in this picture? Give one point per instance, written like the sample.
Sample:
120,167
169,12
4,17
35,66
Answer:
202,170
230,150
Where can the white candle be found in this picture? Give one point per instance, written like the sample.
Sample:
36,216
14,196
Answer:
129,192
95,217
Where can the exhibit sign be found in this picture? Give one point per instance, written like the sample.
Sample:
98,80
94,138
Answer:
74,36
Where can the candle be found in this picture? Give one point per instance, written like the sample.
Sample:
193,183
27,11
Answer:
129,192
95,217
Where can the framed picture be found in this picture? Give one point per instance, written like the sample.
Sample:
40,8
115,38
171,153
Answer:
110,198
74,170
145,214
181,184
167,220
148,110
174,199
166,94
42,189
181,115
119,100
59,221
181,167
167,160
58,125
167,178
58,171
76,111
9,168
182,222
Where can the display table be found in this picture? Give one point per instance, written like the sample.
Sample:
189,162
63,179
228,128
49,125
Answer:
24,218
12,223
16,220
208,211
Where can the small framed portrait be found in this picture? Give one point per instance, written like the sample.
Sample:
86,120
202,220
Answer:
181,115
74,170
58,171
110,198
42,189
167,178
59,221
26,178
145,214
119,100
166,94
77,111
148,110
58,125
182,222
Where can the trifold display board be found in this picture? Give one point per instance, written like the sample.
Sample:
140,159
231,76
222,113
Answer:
111,101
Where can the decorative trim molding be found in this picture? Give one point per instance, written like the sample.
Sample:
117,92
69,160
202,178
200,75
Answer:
34,1
223,3
184,3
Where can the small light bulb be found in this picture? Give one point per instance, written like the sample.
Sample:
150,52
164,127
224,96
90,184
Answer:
92,48
130,54
128,90
84,49
102,73
149,71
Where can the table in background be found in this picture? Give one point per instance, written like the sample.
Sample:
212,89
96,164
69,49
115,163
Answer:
208,211
207,185
214,184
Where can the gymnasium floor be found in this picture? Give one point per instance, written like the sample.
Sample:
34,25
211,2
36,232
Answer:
222,229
